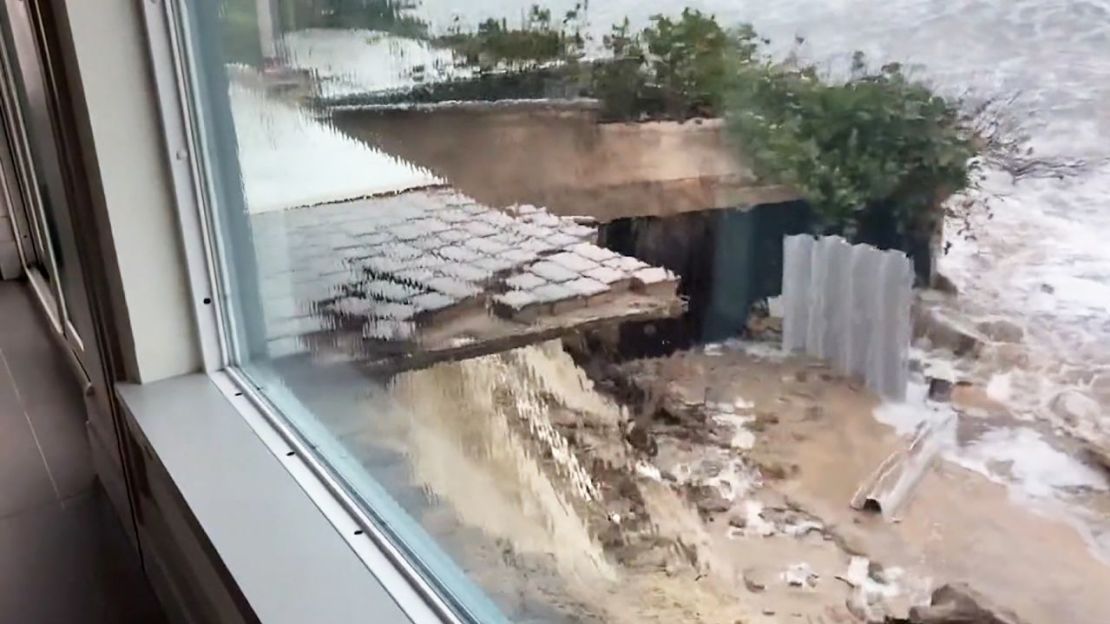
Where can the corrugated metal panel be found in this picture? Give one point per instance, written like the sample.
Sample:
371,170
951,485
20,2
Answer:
849,304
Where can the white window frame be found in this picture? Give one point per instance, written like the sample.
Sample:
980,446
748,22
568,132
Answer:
175,76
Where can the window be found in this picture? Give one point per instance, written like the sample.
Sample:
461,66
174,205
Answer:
541,287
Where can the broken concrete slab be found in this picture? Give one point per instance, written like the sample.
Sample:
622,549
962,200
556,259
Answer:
1000,330
960,604
1073,407
1100,455
943,332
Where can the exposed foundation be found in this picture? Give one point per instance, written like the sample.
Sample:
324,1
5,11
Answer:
726,261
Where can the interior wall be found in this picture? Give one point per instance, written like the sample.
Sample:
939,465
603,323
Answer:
133,190
10,267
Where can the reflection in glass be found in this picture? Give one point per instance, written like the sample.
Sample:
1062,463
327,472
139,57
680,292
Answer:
516,273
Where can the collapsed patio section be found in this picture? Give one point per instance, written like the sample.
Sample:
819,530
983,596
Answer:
406,280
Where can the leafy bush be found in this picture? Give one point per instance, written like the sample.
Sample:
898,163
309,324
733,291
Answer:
494,44
875,141
672,69
619,82
687,59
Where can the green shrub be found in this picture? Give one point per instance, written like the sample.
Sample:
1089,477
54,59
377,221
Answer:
687,60
494,44
875,141
619,82
672,69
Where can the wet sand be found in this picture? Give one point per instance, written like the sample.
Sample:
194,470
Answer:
1029,556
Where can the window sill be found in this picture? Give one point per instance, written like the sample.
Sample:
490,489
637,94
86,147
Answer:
284,549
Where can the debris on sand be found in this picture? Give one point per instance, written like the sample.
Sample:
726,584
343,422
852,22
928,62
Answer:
751,522
800,575
755,455
876,594
959,604
891,485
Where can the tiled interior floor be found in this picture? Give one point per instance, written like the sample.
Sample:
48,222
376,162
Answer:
63,556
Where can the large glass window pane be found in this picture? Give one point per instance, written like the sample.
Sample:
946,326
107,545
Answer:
634,311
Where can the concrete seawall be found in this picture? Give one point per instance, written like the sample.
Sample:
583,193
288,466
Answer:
560,157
